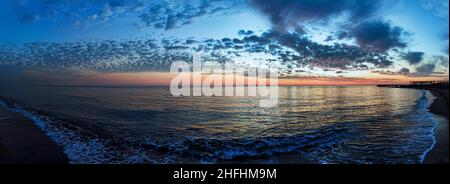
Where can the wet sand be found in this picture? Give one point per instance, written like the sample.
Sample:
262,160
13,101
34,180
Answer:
21,142
439,154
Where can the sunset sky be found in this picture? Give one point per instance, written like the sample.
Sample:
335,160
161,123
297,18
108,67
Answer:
133,42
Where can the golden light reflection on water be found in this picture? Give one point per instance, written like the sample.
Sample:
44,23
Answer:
299,108
339,123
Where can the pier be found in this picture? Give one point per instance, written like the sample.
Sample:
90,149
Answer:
419,85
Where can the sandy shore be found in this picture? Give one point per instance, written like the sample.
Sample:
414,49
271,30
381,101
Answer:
21,142
439,154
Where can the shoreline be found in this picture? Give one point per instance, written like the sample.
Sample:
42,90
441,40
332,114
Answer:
440,154
22,142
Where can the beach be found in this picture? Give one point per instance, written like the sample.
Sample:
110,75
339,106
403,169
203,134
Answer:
21,142
439,154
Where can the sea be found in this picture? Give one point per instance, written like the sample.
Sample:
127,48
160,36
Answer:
310,124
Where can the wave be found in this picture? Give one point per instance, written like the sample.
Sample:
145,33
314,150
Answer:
213,150
86,150
423,105
79,149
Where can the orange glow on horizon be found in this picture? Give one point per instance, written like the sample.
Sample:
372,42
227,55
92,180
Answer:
164,78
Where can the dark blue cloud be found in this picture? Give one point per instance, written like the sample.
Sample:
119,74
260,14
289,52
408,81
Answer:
369,33
168,16
294,49
413,57
343,35
159,13
425,69
73,11
404,71
440,60
329,39
289,13
379,36
245,33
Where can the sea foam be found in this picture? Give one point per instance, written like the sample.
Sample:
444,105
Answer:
78,149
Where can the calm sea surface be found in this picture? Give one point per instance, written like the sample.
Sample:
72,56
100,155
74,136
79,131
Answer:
309,125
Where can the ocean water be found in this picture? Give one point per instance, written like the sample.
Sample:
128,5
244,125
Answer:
358,124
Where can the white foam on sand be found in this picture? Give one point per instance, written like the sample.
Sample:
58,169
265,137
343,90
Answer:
78,150
424,105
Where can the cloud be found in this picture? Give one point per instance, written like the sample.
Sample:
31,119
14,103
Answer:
292,50
295,50
108,55
159,13
245,33
70,10
168,16
360,20
425,69
440,60
341,35
379,36
413,58
403,71
329,39
102,56
286,14
428,69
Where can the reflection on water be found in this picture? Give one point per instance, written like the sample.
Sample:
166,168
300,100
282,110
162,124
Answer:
361,124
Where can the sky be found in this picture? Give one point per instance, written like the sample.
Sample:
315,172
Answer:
311,42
